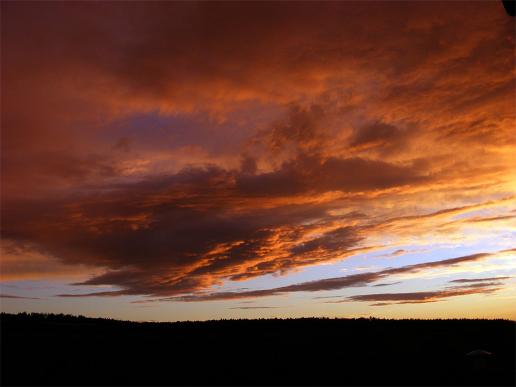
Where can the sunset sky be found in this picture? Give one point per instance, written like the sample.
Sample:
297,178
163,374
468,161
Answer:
198,160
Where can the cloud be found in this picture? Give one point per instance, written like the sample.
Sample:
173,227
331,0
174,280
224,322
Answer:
203,149
18,297
382,138
388,284
336,283
475,286
187,232
306,174
182,232
492,218
415,297
171,244
487,279
21,261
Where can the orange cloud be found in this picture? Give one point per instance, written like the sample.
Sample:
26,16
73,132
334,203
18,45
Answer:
336,283
172,147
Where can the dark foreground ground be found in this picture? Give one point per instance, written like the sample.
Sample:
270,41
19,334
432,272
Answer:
64,350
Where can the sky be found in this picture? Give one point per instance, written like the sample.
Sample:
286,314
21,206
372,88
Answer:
166,161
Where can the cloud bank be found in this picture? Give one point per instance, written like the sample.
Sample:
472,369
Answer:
166,148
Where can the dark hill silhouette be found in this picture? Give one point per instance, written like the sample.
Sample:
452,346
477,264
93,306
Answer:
48,349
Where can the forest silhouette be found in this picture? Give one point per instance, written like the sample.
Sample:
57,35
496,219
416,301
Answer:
57,349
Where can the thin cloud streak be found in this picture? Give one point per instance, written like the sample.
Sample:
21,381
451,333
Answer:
384,299
18,297
486,279
414,297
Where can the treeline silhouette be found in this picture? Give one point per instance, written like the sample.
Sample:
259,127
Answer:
57,349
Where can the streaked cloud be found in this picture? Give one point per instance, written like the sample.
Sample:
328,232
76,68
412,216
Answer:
354,280
17,297
473,280
385,299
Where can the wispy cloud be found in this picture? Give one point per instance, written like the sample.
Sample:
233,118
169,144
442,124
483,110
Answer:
388,284
481,286
336,283
384,299
18,297
486,279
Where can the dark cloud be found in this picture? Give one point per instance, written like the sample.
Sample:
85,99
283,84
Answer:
18,297
491,218
123,144
382,138
178,233
416,297
326,297
470,286
248,165
306,174
476,285
375,135
486,279
388,284
336,240
302,129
